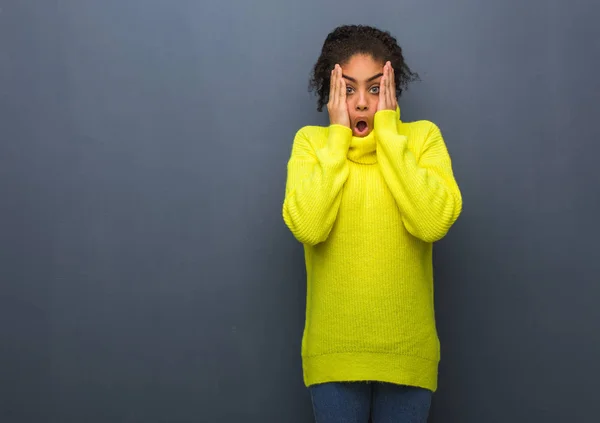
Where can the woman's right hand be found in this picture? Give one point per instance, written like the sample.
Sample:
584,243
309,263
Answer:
337,107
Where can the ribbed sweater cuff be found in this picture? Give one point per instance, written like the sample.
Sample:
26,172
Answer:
338,143
385,121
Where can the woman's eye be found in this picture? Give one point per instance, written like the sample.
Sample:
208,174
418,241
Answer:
348,90
374,90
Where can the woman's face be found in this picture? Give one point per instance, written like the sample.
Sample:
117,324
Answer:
362,75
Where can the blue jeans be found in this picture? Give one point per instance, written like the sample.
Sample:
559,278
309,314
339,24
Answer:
356,402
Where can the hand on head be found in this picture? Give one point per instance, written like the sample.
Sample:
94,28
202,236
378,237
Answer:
387,89
337,107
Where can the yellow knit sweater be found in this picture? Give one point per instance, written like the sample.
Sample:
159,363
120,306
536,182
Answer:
367,211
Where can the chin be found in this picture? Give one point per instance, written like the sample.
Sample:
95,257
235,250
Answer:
360,135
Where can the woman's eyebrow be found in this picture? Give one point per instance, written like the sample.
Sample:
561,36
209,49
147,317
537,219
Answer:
368,80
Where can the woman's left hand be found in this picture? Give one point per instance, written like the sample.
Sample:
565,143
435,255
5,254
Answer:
387,89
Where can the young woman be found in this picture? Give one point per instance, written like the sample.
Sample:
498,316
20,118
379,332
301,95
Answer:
368,195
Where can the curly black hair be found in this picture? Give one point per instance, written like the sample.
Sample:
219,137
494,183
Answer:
347,40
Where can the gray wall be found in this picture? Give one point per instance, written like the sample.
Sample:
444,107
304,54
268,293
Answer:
146,273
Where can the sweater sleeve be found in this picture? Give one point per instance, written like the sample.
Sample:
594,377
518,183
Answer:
315,179
424,187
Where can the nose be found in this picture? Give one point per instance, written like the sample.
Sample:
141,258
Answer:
362,107
361,104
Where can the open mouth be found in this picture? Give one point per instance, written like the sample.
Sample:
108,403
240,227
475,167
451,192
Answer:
361,127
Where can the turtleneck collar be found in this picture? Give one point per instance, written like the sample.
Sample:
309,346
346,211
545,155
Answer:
364,150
